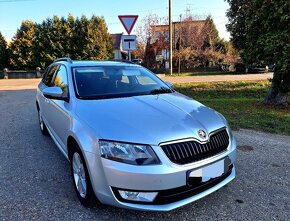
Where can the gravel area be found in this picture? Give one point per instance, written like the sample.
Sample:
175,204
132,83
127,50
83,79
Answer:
216,78
36,184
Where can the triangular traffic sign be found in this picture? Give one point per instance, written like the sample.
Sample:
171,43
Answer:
128,21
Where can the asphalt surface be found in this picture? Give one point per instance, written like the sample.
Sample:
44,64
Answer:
35,182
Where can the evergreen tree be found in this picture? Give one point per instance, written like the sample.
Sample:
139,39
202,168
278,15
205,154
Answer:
99,41
68,40
3,53
39,45
44,45
211,34
21,47
79,38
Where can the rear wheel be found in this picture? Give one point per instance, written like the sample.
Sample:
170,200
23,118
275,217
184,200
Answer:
81,179
42,126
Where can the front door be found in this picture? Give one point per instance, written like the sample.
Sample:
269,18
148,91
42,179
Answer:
58,110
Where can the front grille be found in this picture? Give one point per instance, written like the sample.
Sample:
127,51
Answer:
192,151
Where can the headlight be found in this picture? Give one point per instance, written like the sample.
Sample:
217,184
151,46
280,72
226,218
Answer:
128,153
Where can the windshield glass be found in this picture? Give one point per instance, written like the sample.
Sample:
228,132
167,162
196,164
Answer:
116,81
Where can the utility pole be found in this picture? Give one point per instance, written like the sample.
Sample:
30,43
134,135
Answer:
179,61
170,37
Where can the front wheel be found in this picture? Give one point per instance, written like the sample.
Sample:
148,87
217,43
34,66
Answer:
81,179
42,125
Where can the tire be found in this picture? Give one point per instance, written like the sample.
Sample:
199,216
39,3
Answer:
42,125
81,179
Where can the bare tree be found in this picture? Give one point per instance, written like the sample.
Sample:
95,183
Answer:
144,28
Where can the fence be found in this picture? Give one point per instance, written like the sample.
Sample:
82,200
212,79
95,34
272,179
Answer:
12,74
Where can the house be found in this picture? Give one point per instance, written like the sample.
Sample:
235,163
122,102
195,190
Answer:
119,54
186,33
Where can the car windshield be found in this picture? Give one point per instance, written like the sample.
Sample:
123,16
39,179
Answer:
116,81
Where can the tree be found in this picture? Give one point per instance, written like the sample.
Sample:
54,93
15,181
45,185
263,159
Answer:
75,38
21,47
211,34
140,51
260,30
196,42
149,57
79,38
54,38
144,29
45,43
99,41
192,32
3,52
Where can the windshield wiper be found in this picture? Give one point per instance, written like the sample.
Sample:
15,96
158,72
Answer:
162,90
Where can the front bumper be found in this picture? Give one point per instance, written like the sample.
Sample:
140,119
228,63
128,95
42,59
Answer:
174,205
107,176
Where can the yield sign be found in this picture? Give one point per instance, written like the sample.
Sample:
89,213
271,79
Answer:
128,21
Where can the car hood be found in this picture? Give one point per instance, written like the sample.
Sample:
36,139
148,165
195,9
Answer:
150,119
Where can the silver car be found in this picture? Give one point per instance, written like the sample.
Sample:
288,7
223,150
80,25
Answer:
132,141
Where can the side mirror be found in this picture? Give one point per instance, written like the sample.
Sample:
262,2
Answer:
169,84
53,93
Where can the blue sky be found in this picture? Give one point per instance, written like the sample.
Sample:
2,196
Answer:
12,12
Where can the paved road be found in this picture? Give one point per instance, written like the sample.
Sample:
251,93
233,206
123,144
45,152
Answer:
18,84
11,84
35,181
216,78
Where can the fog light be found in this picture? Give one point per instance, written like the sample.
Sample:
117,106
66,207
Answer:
138,196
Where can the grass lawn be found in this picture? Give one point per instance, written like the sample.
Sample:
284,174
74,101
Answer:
240,103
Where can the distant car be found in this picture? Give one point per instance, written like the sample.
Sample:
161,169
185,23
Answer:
131,140
254,68
138,61
272,67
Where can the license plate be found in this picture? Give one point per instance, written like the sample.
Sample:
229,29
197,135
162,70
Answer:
208,172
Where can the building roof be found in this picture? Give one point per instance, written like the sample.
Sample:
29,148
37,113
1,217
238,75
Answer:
117,38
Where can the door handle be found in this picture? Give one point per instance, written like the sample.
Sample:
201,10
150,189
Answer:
47,100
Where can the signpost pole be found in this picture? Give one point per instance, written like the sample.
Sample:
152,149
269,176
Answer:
129,55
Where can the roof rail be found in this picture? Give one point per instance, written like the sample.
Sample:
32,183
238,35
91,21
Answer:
120,60
64,59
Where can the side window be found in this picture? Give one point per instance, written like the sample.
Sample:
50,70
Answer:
60,80
47,80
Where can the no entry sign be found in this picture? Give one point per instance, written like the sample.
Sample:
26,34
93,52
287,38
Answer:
128,21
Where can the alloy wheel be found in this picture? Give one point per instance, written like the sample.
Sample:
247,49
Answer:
79,175
40,122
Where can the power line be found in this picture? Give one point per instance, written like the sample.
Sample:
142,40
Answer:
137,12
12,1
